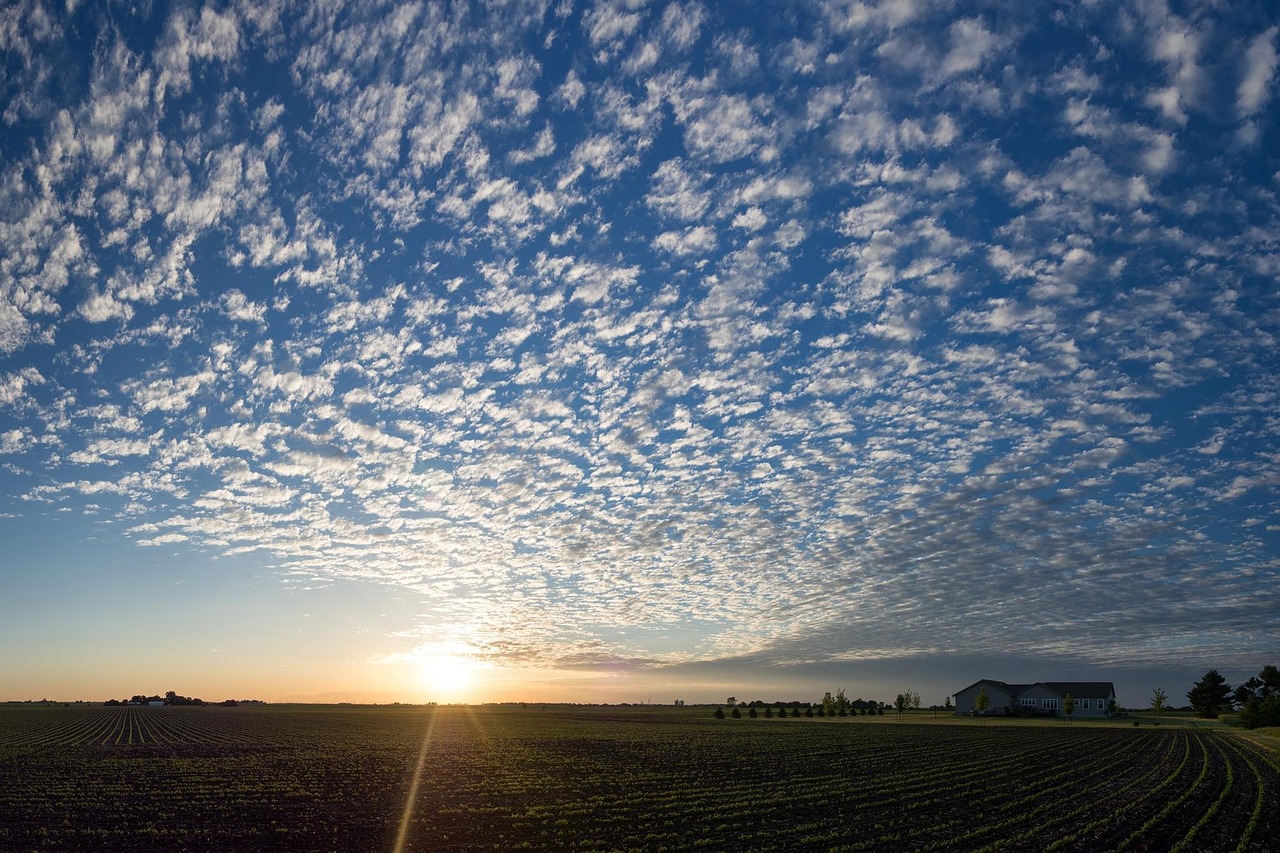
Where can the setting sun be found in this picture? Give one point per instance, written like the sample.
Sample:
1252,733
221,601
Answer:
447,677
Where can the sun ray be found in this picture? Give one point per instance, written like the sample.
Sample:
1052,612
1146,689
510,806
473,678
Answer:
407,815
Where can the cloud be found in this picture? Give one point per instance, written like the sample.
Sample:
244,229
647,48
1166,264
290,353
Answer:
662,342
1259,68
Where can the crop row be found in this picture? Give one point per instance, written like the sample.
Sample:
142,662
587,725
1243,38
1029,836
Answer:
126,726
558,779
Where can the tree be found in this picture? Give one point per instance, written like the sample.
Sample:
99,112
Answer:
828,704
900,704
1270,677
1210,696
842,701
751,712
1158,698
736,713
1068,706
731,701
1259,699
1111,708
946,705
719,714
982,701
1250,689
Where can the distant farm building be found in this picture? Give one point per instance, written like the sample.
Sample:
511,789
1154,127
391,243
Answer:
1044,698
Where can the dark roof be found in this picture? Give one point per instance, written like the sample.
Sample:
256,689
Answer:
1011,689
1077,689
1081,689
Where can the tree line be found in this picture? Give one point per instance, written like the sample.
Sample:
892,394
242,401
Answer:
173,698
1258,698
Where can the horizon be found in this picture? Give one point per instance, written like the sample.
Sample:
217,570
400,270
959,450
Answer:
609,350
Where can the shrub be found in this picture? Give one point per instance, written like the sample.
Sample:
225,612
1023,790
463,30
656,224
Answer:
737,714
719,714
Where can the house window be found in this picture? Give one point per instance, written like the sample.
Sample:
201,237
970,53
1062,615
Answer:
1049,704
1084,704
1028,703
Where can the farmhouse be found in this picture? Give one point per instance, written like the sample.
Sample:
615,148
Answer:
1093,698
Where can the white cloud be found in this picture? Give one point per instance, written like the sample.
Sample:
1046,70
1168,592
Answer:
1258,72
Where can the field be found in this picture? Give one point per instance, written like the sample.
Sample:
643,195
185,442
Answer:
569,778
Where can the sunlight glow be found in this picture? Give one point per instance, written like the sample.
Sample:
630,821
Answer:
449,677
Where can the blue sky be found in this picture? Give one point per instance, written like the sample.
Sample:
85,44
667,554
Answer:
593,350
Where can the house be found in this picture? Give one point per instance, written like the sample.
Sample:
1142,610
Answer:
1093,698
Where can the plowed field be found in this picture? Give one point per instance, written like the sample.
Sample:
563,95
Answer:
502,778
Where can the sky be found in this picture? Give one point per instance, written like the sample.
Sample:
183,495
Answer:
635,351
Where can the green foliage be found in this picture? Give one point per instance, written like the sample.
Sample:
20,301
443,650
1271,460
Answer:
719,714
1259,699
736,713
1211,695
1158,700
1260,713
982,701
1068,705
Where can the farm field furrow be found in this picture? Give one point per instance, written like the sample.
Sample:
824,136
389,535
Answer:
558,778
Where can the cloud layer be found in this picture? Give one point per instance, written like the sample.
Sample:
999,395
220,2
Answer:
635,334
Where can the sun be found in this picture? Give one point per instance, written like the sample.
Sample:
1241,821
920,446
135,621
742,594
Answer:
447,677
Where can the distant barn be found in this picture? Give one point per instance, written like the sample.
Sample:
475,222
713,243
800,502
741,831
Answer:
1093,698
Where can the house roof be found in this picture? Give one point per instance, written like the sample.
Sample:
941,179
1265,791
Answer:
1007,688
1077,689
1081,689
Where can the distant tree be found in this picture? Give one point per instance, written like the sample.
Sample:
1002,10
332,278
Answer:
828,704
731,701
736,713
1068,706
900,703
982,701
1211,695
1250,689
751,712
768,712
1270,677
719,714
808,712
842,701
1259,699
1158,700
1112,707
947,706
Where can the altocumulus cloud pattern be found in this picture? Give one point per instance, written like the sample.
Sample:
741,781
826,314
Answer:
816,331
